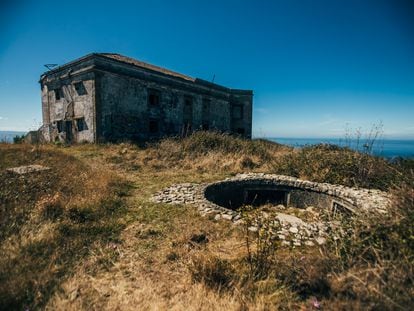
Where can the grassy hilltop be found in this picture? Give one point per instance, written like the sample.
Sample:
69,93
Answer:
84,235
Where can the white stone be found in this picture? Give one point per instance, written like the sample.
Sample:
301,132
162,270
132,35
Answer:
281,237
252,229
227,216
320,240
21,170
293,230
238,222
289,219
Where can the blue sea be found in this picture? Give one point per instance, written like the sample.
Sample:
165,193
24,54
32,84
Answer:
7,136
387,148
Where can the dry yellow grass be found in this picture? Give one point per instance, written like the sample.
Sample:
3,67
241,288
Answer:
92,240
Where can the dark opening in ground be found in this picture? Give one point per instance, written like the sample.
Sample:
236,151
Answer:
235,195
258,197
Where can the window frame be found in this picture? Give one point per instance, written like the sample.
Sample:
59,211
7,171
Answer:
80,91
83,126
59,126
59,94
153,94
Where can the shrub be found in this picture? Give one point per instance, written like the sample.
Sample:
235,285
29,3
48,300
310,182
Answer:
260,240
338,165
214,272
376,261
204,142
18,139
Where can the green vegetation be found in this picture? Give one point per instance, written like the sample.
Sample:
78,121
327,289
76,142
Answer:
84,235
18,139
336,165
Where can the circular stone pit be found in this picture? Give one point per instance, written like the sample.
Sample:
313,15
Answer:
223,199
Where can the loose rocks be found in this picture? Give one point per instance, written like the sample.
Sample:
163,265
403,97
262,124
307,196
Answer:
294,231
22,170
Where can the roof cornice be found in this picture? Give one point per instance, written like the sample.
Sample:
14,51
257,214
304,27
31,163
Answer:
161,72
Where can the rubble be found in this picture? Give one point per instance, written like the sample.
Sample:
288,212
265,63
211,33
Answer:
26,169
292,229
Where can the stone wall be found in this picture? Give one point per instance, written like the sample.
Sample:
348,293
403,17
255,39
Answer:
68,105
306,217
118,103
126,112
303,193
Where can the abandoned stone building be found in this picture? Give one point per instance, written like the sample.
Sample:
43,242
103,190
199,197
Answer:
110,97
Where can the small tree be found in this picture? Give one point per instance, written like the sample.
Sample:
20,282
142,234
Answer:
18,139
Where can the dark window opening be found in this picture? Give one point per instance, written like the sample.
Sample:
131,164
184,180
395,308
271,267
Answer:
59,94
206,114
80,88
153,98
173,101
68,130
206,107
240,131
237,112
261,197
59,125
153,126
187,115
81,124
188,101
188,108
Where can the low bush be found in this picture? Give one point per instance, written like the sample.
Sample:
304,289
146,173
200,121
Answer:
214,272
333,164
201,144
377,260
18,139
260,240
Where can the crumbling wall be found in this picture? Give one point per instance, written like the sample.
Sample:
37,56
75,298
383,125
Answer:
124,102
68,106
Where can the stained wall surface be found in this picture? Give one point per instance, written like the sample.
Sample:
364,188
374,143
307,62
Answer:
119,101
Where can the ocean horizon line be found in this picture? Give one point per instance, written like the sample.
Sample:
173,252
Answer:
331,138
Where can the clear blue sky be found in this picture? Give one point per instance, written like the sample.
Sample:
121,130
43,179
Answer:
315,66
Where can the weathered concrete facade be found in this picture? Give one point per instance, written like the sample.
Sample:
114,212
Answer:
109,97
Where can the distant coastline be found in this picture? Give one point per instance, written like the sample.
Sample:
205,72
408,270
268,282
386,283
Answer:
387,148
7,136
